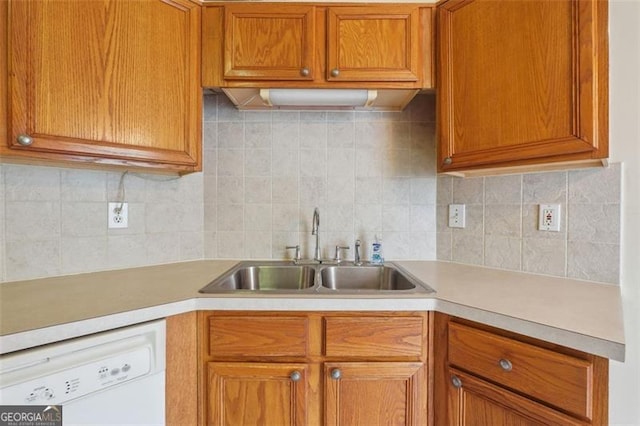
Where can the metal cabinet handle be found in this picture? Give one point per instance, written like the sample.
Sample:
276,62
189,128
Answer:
456,382
305,72
335,72
336,374
295,376
24,140
505,364
447,161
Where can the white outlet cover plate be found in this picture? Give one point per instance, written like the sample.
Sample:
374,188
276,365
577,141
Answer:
456,215
549,217
116,220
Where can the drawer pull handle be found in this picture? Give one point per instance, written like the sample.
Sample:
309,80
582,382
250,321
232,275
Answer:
447,161
335,72
505,364
336,374
295,376
456,382
304,72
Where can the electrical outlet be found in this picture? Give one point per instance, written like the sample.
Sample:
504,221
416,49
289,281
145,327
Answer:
549,217
456,215
118,215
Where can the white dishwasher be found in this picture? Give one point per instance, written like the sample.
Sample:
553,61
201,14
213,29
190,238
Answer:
112,378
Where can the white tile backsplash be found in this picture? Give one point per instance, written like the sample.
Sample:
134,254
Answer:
31,183
54,221
502,214
370,173
349,164
83,219
80,185
32,258
81,254
32,220
2,226
263,173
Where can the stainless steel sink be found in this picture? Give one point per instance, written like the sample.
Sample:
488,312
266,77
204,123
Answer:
286,277
264,276
377,278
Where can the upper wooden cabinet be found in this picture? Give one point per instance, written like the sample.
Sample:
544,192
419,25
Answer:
265,43
380,43
521,82
303,45
105,82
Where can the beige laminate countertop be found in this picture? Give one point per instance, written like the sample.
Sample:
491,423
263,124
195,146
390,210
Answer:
583,315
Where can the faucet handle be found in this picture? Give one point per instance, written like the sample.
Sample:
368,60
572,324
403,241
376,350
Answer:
356,256
338,251
297,249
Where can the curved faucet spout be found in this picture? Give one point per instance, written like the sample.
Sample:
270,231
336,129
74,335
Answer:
314,231
316,221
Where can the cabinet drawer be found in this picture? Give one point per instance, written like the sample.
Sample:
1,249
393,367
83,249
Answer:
374,336
558,379
258,336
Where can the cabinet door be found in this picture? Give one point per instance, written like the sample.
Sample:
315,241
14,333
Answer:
257,394
373,43
474,402
521,82
375,393
105,81
268,43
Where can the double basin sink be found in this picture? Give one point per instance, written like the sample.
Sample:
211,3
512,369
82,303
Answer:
286,277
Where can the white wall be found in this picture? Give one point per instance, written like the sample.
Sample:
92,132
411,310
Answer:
624,407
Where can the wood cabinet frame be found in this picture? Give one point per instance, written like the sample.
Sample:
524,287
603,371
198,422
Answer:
447,400
112,140
409,364
189,357
587,120
420,75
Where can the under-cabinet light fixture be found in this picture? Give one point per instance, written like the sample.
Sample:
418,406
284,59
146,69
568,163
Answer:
318,97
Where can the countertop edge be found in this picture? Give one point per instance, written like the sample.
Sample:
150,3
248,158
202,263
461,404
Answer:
582,342
42,336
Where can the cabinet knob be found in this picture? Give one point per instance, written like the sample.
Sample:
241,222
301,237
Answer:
24,140
336,374
335,72
456,382
505,364
295,376
447,161
304,72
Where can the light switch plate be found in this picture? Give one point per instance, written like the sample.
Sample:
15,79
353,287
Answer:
456,215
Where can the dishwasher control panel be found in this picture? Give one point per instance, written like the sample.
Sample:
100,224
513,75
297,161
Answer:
77,381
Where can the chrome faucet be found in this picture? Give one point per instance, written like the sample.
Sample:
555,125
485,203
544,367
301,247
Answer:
314,231
356,256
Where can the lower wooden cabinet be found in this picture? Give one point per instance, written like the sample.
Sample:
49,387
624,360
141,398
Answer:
314,368
373,368
248,393
475,402
489,376
375,393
